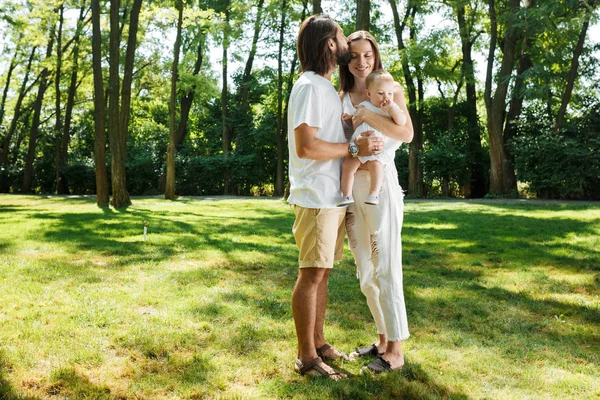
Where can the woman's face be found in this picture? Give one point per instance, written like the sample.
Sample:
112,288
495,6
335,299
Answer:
363,59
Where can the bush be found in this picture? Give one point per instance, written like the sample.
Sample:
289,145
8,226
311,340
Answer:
562,165
81,178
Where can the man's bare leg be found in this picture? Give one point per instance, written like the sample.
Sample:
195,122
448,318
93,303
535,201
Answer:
321,301
304,307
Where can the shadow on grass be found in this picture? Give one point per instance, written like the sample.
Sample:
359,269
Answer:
459,305
412,382
7,392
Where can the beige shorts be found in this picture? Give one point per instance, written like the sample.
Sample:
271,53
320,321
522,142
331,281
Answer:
319,234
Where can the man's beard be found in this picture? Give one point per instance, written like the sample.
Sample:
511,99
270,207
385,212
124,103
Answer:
343,58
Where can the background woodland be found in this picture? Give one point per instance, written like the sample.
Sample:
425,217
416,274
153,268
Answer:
120,98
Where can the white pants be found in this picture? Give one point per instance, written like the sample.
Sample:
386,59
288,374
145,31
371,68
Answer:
374,235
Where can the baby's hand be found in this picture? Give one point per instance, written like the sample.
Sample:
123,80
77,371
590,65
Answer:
386,104
346,117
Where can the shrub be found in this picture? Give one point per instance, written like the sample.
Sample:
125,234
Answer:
562,165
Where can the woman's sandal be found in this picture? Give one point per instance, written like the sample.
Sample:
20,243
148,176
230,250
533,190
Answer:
378,366
338,354
367,351
314,369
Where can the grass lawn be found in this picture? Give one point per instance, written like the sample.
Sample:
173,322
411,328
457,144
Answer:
502,297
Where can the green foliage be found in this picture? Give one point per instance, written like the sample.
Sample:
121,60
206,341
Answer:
559,165
81,178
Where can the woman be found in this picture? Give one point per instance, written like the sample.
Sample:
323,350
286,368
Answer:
374,231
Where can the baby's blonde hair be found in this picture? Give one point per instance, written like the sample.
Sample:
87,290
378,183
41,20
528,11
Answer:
379,74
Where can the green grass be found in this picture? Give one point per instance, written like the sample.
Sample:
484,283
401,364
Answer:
502,297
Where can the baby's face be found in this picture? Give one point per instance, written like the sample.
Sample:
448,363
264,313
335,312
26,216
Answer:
381,92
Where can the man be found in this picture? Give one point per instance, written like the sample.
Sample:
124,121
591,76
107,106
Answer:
317,146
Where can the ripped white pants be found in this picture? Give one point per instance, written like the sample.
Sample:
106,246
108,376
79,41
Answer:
374,236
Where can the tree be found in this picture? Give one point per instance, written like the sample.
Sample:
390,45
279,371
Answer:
415,96
227,130
170,183
281,110
63,131
102,194
502,174
18,111
37,111
363,15
317,9
466,18
119,113
589,6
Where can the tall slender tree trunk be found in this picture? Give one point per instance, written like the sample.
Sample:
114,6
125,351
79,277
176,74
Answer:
284,189
187,99
566,98
63,147
170,183
317,9
227,131
363,15
35,123
11,68
102,195
119,113
60,184
475,184
279,169
516,103
502,176
415,174
5,150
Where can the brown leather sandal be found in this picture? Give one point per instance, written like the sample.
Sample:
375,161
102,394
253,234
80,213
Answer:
314,369
321,353
378,366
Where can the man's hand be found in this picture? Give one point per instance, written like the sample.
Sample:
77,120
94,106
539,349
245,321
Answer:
369,145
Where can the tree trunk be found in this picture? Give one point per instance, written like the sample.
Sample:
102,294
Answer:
187,99
476,176
317,7
363,17
35,123
102,195
60,184
516,103
566,98
120,113
11,67
227,133
170,182
280,187
245,83
4,152
415,175
502,177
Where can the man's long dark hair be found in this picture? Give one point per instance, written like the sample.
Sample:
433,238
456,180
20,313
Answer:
313,50
346,77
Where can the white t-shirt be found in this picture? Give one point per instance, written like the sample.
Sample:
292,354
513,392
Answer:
314,101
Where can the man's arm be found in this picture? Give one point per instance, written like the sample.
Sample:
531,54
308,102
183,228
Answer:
311,147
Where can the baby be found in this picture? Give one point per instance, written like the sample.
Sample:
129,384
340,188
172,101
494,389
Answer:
380,90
